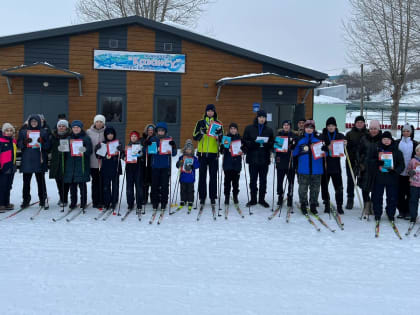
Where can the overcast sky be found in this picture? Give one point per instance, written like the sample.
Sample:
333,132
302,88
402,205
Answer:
305,32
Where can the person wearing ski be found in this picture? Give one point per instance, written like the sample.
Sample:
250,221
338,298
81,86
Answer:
161,167
34,160
232,166
7,165
413,171
354,143
135,175
96,135
407,145
77,168
187,164
332,167
368,162
258,156
285,165
208,154
386,177
149,132
309,169
110,170
62,132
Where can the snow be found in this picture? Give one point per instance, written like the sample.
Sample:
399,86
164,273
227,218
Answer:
409,98
253,75
324,99
238,266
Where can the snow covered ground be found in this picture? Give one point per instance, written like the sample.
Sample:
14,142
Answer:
238,266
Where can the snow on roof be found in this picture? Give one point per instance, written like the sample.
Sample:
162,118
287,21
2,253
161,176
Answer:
253,75
324,99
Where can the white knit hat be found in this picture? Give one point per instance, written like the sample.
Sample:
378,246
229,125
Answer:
99,118
406,127
7,126
63,122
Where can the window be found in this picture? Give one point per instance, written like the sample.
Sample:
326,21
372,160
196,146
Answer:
167,46
113,43
112,108
167,109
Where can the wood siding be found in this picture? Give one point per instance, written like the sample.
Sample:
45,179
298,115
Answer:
309,102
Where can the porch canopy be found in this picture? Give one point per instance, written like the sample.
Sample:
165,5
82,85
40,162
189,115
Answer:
41,69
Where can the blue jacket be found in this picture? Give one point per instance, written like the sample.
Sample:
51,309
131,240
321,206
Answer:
307,165
161,160
188,177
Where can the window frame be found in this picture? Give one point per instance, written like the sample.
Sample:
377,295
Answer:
178,109
99,107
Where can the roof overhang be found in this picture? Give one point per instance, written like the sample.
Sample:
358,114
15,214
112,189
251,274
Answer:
42,70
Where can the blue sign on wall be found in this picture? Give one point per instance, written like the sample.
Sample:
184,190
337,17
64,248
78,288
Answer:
138,61
256,107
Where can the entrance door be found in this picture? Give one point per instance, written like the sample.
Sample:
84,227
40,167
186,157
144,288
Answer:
277,113
48,105
113,107
167,109
286,112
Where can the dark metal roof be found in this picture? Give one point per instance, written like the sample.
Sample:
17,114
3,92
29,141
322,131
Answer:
136,20
237,80
11,72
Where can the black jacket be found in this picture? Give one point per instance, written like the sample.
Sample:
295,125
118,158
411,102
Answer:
231,162
257,154
390,177
354,138
368,157
283,158
332,164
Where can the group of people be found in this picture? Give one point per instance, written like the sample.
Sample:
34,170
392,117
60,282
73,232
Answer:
373,160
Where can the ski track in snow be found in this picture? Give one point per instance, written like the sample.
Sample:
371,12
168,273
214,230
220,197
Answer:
235,266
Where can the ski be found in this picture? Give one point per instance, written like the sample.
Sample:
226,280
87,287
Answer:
189,209
213,211
336,217
18,211
394,227
152,219
417,232
82,210
63,215
312,222
108,214
37,213
239,210
322,222
410,228
162,214
176,210
278,210
101,214
126,214
200,212
377,228
226,211
289,212
139,214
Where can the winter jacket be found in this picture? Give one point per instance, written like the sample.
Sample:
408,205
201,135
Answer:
354,138
57,158
368,160
257,154
408,148
231,162
77,168
414,163
135,168
390,177
187,176
96,136
7,155
161,160
283,158
307,165
333,164
206,144
34,160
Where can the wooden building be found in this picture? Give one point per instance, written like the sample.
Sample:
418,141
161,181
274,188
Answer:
136,71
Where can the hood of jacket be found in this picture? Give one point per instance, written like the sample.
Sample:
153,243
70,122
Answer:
36,117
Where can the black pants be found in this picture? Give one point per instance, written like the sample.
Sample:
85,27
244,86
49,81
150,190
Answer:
160,187
187,192
210,162
258,171
97,197
42,190
231,180
147,182
73,194
338,187
403,195
134,181
5,187
63,190
281,174
110,190
350,183
391,200
414,202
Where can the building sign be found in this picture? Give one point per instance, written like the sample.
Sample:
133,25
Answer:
256,107
138,61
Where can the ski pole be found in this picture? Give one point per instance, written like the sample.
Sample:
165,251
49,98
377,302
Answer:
122,189
175,194
354,181
274,178
62,181
220,186
116,178
246,183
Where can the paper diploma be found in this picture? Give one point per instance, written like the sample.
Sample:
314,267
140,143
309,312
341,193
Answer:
130,156
337,148
214,126
262,139
388,161
136,149
317,151
103,150
64,143
235,148
165,147
75,147
112,147
33,135
281,144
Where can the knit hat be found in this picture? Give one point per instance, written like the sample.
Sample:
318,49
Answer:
110,130
99,118
7,126
359,118
309,123
162,125
262,113
287,121
386,134
135,133
63,122
211,107
302,119
61,116
188,145
406,127
234,125
331,121
375,124
77,123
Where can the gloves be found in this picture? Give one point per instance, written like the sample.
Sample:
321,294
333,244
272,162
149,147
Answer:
122,154
147,142
61,148
244,149
27,141
411,173
119,147
324,148
219,131
222,149
98,146
172,143
40,140
292,144
203,130
82,149
188,167
381,163
179,163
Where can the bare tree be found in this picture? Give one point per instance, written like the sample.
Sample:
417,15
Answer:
380,34
180,11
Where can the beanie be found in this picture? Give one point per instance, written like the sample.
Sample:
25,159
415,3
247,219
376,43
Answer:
359,118
188,145
7,126
407,126
309,123
63,122
134,133
162,125
374,124
262,113
234,125
77,123
302,119
99,118
331,121
287,121
386,134
210,107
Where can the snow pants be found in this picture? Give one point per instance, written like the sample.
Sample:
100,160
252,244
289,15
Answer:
338,187
281,174
63,190
391,200
311,183
403,195
187,192
258,171
83,194
42,188
231,180
414,202
134,181
110,191
6,181
211,163
160,187
97,197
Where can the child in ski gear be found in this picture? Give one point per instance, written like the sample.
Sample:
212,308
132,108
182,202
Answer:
7,165
232,166
134,173
187,164
258,156
77,168
208,153
332,166
62,132
34,160
386,177
413,171
407,145
161,167
110,170
96,135
309,169
149,132
285,165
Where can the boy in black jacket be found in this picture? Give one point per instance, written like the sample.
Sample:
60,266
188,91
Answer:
134,173
332,167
